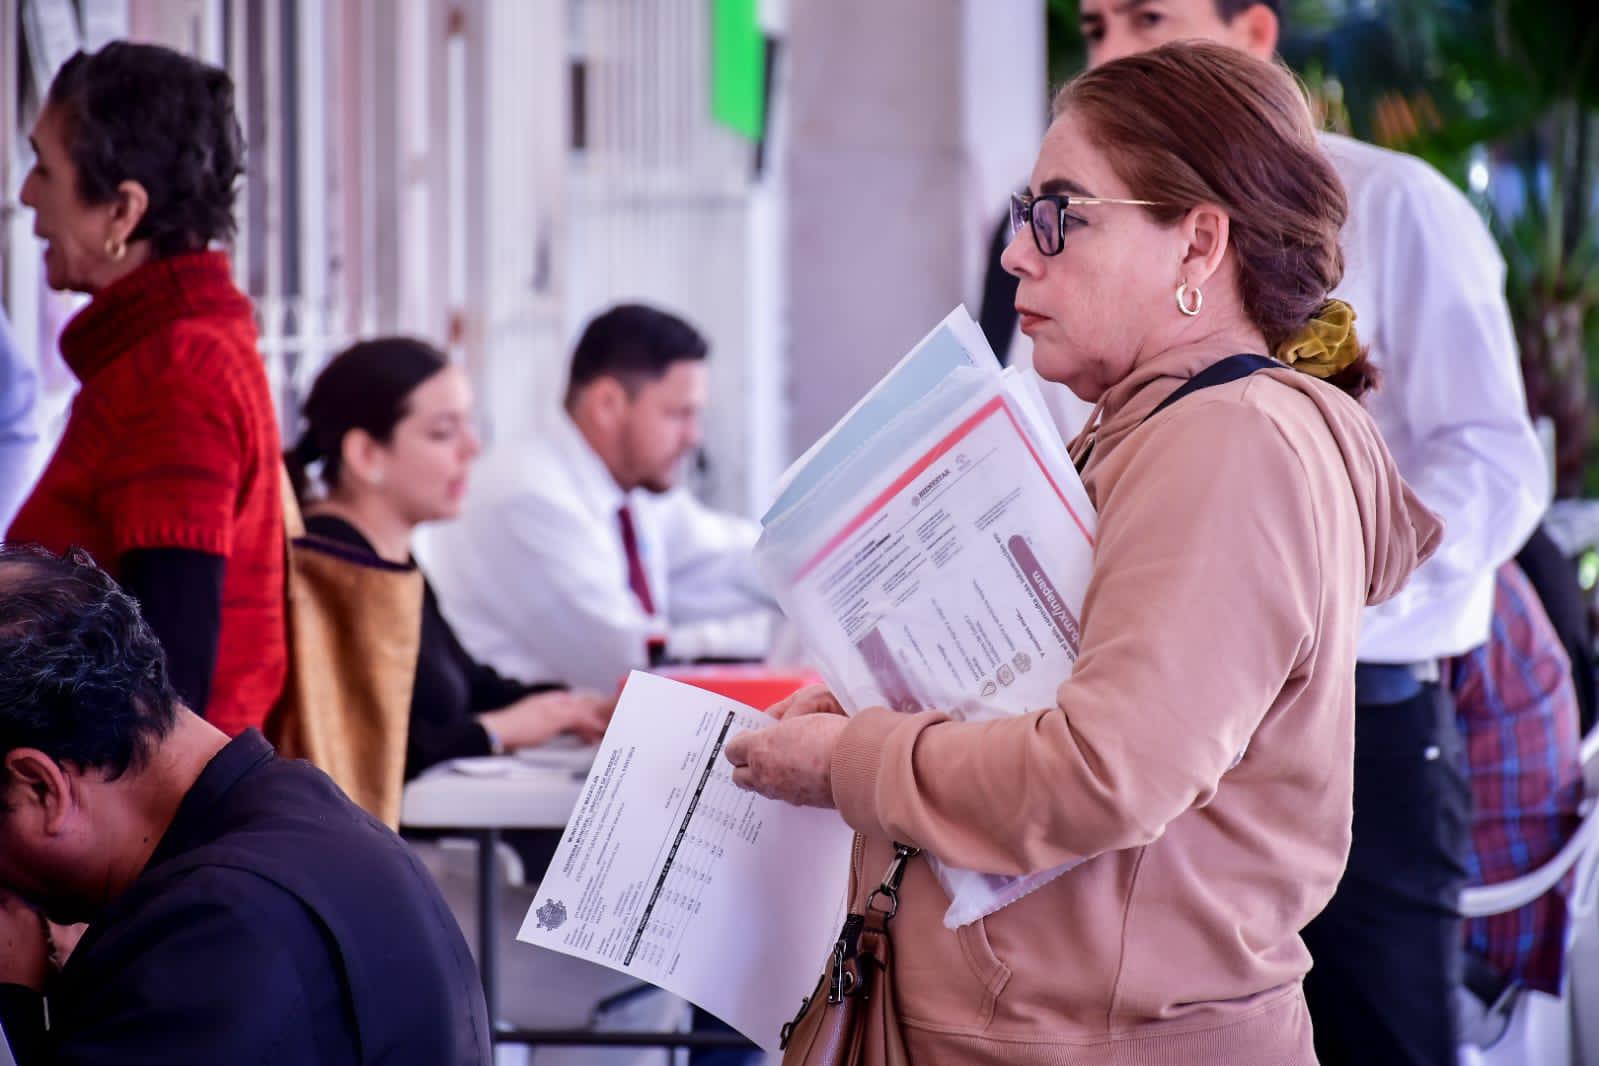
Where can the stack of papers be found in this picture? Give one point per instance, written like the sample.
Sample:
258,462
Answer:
933,551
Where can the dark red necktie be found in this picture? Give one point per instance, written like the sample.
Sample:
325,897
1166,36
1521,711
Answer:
637,579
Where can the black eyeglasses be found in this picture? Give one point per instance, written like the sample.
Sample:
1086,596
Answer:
1047,216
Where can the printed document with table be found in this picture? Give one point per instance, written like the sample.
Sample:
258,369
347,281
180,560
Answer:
670,873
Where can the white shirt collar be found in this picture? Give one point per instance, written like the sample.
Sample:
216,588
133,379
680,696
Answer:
590,476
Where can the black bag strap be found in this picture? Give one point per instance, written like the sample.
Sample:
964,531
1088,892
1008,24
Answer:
1218,373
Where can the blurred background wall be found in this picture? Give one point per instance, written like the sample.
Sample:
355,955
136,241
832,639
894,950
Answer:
911,124
812,184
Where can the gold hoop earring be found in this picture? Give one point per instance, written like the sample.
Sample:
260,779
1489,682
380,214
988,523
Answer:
1182,299
116,249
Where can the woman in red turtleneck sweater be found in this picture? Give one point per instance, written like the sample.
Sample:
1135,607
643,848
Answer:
167,473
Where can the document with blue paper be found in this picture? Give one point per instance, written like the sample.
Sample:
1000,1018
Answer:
955,351
943,569
669,872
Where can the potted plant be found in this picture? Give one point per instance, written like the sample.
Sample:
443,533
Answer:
1502,89
1505,92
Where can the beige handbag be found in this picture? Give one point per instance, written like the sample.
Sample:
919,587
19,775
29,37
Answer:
852,1018
354,634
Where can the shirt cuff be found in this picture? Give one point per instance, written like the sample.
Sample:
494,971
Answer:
496,746
161,534
857,761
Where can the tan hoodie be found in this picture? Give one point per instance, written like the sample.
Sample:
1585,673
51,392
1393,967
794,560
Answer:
1241,532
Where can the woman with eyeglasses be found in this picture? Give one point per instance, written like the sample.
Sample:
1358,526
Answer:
1175,252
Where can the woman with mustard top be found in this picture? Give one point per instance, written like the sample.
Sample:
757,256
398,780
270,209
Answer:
390,423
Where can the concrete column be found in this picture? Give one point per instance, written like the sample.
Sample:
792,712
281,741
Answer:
512,191
910,122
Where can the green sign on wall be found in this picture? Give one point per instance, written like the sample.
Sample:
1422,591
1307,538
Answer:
738,67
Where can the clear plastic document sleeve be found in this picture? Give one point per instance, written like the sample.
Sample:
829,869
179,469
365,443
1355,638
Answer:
939,562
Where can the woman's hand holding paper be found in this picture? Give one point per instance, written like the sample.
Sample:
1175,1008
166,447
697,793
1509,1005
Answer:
812,699
792,761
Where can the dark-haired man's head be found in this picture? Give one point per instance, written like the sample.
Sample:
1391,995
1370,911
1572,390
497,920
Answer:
1116,28
95,749
636,390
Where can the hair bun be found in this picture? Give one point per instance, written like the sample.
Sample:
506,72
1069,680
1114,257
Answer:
1326,344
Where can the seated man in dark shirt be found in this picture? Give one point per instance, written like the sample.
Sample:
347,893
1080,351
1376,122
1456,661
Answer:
240,909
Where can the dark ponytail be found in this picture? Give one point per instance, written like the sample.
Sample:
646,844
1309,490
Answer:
368,387
297,461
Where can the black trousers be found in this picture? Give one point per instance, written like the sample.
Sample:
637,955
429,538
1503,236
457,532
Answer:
1387,950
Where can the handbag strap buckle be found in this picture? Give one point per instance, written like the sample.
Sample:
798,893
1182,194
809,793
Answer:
840,981
889,889
851,971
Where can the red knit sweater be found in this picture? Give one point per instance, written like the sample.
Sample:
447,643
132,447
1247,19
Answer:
172,443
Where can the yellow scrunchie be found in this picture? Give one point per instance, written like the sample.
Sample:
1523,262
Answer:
1326,345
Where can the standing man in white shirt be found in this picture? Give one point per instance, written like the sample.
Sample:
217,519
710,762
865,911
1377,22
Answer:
1427,281
577,557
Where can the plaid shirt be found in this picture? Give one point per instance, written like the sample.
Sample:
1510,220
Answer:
1517,713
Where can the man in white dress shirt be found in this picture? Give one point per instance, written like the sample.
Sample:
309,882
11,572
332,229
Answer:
577,557
1427,283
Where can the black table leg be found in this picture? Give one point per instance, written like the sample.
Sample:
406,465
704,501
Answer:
488,913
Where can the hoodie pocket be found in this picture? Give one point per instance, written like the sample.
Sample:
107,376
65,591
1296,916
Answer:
984,964
946,981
